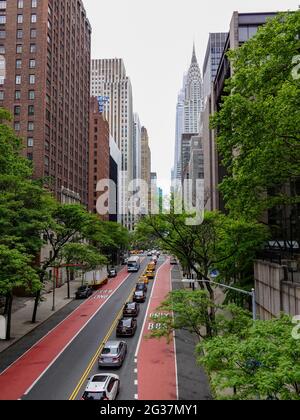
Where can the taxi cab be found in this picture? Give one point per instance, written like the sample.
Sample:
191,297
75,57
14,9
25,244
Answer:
150,274
144,279
151,267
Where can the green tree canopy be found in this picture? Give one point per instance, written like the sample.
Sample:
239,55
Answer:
258,124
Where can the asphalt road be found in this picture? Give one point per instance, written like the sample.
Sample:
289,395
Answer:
62,378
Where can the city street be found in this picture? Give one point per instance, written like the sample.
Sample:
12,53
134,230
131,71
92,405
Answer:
59,365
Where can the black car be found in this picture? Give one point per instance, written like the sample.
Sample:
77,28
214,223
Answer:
126,327
112,272
139,296
83,292
131,309
141,287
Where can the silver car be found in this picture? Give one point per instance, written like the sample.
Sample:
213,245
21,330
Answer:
113,354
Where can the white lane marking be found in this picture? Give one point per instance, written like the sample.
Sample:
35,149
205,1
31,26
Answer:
56,326
71,340
136,382
175,348
135,370
146,317
135,360
136,397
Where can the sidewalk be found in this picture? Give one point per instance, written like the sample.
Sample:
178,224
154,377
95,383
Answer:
23,307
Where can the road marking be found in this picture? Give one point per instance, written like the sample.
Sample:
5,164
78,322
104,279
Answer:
136,382
99,350
175,348
54,328
72,339
147,310
135,370
136,397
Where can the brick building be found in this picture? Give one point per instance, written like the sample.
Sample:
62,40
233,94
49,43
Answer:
99,152
46,47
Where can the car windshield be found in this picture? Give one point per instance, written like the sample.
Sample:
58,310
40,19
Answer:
130,306
94,395
140,286
126,322
139,293
110,350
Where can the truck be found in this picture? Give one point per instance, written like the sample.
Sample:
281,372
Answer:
96,278
133,264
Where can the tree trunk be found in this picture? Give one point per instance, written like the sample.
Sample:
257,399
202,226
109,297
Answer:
36,302
9,301
68,282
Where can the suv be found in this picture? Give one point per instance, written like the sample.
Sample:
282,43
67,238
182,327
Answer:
83,292
141,287
139,296
131,309
102,387
126,327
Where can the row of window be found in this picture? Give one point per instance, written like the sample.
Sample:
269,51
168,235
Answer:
31,95
20,19
19,48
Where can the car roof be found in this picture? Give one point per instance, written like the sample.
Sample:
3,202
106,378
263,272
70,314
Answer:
112,344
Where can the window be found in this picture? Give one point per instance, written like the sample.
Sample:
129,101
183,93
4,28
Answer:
17,94
20,4
32,33
2,5
31,94
17,126
30,142
30,126
20,18
19,34
32,79
29,156
34,4
17,110
18,80
31,110
32,48
18,64
2,19
2,49
1,95
2,34
32,64
33,18
19,49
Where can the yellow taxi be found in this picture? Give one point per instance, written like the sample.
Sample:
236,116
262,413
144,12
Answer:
144,279
150,274
151,267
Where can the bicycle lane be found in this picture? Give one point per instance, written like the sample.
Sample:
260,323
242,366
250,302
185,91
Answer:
21,376
156,359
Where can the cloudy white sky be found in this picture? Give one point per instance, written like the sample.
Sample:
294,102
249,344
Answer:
155,39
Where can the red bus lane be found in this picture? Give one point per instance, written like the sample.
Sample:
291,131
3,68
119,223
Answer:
156,359
19,378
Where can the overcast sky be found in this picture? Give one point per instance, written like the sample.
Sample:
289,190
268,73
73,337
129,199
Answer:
155,39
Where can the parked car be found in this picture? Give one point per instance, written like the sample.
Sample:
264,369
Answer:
131,309
126,327
141,287
112,272
150,274
102,387
144,279
139,296
113,354
83,292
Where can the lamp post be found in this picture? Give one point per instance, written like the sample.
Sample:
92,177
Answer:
252,293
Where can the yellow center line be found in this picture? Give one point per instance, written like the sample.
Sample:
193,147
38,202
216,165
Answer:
99,350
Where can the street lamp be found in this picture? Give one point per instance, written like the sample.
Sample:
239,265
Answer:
214,274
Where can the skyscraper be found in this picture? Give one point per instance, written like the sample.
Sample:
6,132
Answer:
145,168
46,46
214,52
137,133
113,86
189,108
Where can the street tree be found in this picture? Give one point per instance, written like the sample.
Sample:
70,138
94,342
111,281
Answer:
264,363
258,123
15,272
80,256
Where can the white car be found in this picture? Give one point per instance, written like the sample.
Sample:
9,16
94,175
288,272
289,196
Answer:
105,386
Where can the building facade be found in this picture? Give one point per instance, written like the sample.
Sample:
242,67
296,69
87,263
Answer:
145,170
46,49
137,133
112,86
214,52
242,27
